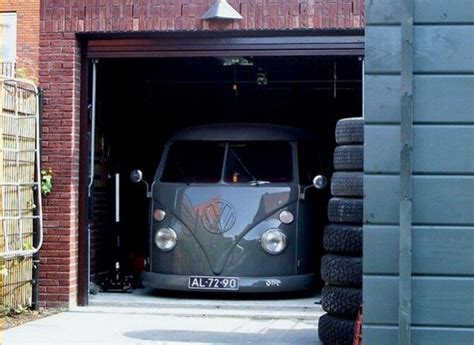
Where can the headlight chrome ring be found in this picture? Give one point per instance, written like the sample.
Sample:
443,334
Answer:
273,241
166,239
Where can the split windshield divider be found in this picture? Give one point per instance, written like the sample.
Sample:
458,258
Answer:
254,180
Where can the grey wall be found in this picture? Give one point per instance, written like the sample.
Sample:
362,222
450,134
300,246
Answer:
443,177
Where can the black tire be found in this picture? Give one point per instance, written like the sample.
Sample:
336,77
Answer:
341,301
350,131
341,270
335,331
347,184
345,239
345,210
349,158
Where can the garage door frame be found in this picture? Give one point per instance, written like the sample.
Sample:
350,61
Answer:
210,44
188,44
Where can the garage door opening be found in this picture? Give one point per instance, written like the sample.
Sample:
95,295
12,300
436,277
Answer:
141,102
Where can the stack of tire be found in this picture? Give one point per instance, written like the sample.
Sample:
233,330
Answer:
341,266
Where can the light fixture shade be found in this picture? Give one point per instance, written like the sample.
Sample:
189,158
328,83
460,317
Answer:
221,10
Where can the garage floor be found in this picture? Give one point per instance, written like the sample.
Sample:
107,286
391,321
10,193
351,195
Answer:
164,303
145,318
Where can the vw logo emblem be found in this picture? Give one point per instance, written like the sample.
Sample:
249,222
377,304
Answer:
218,217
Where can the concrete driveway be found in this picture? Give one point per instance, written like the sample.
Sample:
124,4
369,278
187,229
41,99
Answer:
144,318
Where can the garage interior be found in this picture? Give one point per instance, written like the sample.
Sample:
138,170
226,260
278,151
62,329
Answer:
142,101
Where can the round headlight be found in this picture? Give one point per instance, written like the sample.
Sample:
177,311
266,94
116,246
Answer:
286,217
165,239
159,215
273,241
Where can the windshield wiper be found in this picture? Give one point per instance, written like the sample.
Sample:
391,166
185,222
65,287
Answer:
254,181
258,182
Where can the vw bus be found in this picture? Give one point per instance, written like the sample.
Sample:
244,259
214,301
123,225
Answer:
234,208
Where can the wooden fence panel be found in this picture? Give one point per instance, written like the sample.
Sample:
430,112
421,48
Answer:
17,204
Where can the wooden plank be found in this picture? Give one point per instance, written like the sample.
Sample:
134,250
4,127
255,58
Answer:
382,100
382,12
444,49
406,175
455,144
438,49
387,335
439,98
385,298
442,200
426,11
442,11
442,336
436,250
436,301
382,49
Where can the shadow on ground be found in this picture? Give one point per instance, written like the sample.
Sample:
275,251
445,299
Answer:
216,295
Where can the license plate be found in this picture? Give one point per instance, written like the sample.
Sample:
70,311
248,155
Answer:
213,283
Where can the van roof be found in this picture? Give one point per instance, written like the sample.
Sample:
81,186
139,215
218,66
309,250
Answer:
242,132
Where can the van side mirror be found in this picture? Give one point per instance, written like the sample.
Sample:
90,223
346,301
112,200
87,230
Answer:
136,176
320,182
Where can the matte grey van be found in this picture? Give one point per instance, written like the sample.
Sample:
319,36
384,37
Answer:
232,209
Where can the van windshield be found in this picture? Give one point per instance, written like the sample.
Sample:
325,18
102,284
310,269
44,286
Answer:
258,162
246,162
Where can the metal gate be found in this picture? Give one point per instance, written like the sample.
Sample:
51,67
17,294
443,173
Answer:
20,194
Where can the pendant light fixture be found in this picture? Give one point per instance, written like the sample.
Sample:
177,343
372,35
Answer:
221,10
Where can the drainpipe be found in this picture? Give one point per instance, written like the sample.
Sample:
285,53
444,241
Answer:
92,138
406,174
90,186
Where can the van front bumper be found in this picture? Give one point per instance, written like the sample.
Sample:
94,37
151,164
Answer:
247,284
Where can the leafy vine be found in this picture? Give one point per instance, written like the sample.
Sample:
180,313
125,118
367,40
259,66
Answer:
46,181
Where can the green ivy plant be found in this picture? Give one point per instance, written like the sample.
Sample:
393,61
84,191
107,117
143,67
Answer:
46,181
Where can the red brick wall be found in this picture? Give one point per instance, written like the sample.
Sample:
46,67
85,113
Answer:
59,76
136,15
27,34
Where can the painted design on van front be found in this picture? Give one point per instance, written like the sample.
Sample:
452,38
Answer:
218,216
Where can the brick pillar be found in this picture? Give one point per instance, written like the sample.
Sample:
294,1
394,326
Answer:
59,77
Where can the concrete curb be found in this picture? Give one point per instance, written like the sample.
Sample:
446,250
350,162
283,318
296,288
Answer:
310,314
